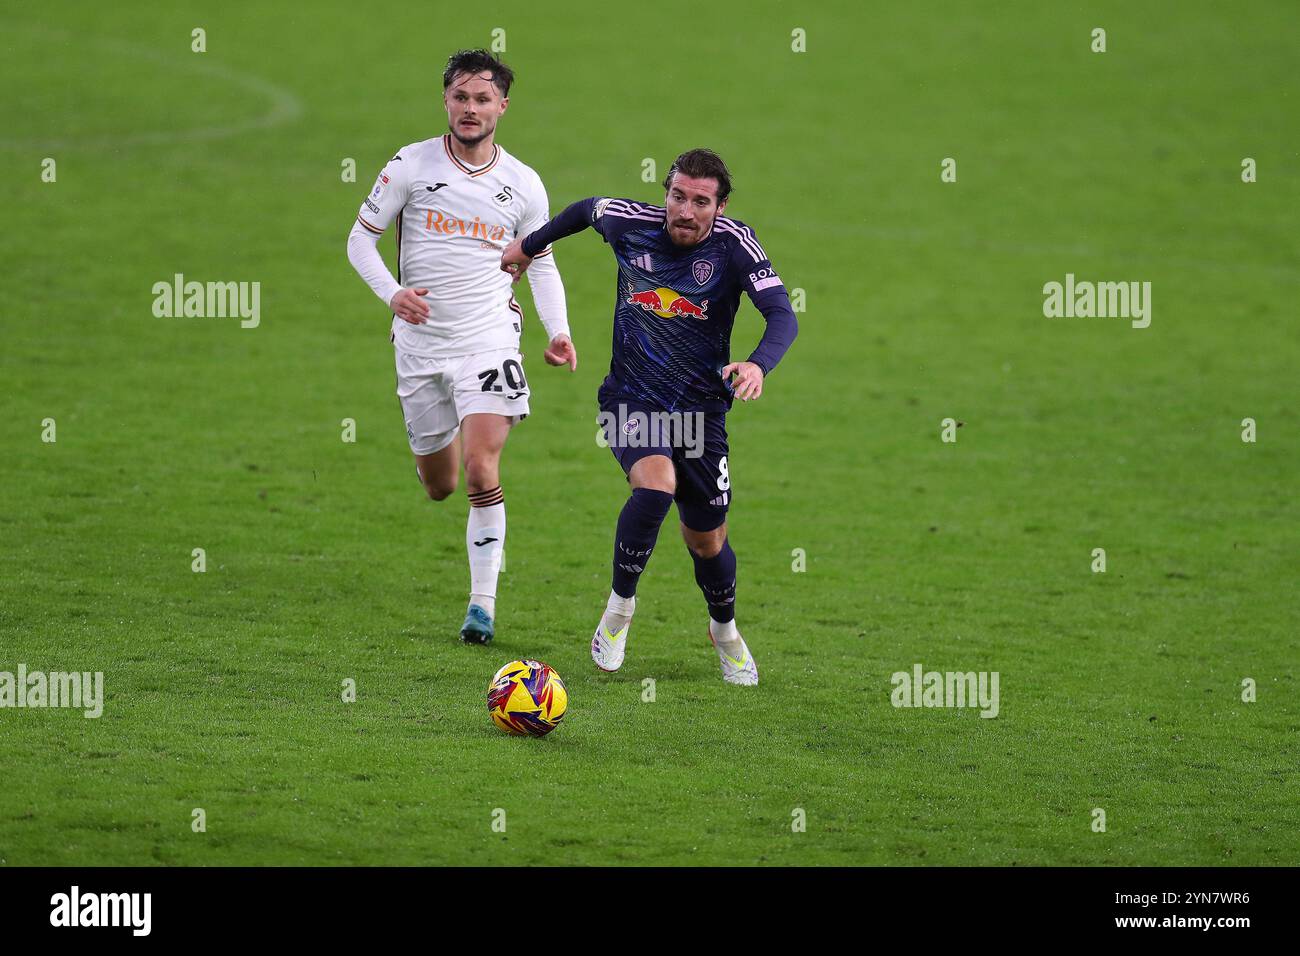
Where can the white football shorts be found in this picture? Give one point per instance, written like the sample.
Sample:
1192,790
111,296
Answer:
437,393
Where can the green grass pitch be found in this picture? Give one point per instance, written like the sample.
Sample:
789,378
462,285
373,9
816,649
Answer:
1120,691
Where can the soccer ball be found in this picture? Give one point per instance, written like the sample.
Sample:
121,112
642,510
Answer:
527,698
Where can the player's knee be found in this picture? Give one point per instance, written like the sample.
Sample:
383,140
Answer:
704,544
439,490
708,549
481,472
654,473
437,487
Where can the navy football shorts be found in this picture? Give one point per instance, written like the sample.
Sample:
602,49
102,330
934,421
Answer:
695,441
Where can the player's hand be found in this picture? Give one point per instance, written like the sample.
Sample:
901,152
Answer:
514,261
746,379
408,306
562,352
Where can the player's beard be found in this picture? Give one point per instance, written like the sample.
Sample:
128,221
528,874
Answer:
694,238
484,131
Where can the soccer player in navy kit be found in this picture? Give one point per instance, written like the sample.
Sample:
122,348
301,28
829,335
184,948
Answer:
681,269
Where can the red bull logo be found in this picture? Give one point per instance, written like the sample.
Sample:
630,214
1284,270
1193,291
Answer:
684,306
648,300
668,304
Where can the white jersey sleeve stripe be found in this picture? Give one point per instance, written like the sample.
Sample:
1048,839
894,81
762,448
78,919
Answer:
637,218
649,217
751,246
744,233
633,208
747,239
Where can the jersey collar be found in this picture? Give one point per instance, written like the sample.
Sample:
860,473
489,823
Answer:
470,170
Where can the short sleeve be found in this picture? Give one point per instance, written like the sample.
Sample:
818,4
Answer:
387,196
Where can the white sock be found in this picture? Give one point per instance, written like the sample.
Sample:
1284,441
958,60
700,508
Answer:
618,611
726,636
485,536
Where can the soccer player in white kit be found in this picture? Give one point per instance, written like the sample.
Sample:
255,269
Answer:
459,199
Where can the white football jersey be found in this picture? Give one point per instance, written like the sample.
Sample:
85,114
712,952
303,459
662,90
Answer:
453,222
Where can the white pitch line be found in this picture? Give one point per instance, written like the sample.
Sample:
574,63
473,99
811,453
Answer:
285,107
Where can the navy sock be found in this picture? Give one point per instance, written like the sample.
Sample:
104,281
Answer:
716,577
638,528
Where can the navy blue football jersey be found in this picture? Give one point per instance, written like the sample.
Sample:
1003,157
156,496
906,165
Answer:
675,306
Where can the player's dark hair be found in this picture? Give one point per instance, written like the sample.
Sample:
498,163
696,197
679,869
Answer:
475,62
702,164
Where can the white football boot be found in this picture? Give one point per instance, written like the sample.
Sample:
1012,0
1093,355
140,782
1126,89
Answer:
741,670
608,647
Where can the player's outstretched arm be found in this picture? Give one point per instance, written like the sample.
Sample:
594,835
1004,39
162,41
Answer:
519,255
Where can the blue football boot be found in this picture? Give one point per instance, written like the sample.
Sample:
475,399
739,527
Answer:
477,628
